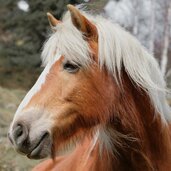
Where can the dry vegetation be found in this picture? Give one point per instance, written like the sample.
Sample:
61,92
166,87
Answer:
9,159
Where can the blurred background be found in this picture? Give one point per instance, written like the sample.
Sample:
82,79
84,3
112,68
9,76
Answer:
23,29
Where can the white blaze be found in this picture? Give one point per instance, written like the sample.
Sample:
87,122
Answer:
37,86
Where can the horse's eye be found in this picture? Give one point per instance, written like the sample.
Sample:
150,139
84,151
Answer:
71,68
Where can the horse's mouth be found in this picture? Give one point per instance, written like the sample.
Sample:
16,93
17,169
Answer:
42,149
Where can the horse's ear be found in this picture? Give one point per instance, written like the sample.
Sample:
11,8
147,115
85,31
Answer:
82,23
52,20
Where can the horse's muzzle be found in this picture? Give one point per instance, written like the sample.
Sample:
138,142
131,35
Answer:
38,148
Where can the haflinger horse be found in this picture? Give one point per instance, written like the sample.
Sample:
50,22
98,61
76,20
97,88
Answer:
102,94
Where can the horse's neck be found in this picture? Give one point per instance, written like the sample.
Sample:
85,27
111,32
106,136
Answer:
86,157
145,144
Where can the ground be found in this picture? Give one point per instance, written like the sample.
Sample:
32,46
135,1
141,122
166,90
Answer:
10,160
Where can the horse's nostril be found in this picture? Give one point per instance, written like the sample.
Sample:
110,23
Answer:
19,130
20,134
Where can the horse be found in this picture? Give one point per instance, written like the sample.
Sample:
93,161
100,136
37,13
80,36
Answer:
101,96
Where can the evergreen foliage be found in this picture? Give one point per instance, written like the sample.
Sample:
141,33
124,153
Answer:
23,33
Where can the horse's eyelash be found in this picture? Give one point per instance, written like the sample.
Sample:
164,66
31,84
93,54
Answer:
72,63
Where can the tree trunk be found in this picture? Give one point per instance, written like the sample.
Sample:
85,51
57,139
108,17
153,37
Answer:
152,25
136,18
164,57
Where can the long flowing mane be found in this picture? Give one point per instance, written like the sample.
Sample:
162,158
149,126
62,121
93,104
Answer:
117,50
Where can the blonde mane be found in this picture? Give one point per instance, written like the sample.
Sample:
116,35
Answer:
117,49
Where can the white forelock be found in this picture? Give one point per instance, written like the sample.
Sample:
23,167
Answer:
69,42
117,49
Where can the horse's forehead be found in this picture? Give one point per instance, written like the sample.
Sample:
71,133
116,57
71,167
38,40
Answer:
37,87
